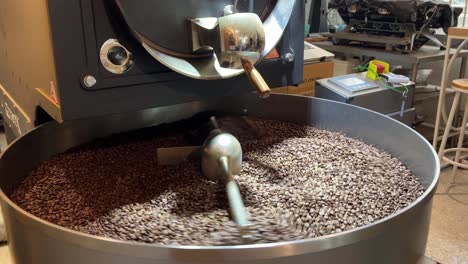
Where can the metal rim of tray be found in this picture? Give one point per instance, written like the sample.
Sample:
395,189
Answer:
255,251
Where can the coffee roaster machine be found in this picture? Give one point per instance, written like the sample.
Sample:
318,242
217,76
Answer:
73,71
403,25
89,58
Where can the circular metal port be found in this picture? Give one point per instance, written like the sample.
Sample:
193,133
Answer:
89,81
115,57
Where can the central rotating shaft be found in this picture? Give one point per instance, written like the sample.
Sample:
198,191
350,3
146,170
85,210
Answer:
221,159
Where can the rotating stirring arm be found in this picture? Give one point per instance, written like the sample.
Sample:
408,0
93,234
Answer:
221,158
238,211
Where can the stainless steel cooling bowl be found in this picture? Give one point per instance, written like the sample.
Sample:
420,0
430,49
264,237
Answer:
399,238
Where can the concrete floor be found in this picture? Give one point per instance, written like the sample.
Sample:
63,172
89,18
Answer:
448,236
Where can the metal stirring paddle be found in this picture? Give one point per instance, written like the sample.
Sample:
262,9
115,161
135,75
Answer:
221,159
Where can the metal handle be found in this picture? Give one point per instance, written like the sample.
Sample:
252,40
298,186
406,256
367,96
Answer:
256,79
238,211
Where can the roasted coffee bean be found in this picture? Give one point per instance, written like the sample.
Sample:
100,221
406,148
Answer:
297,182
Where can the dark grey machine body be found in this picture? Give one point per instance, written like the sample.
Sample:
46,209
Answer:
47,47
397,239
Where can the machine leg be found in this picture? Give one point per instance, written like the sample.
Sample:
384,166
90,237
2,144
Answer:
414,72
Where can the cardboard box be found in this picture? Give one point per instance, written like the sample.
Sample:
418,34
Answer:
312,72
313,54
343,67
283,90
318,64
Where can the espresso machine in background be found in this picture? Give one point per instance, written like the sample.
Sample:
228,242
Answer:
102,67
84,58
